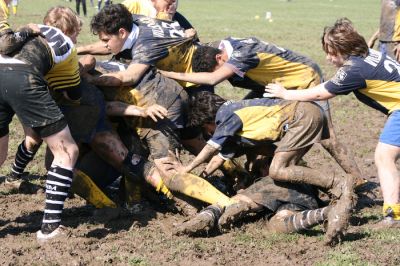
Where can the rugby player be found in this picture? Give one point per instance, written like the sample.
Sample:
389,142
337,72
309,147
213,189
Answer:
375,80
251,64
287,128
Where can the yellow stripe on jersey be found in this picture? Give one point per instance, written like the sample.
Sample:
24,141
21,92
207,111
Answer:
386,93
179,59
292,75
145,8
396,30
65,74
264,122
4,12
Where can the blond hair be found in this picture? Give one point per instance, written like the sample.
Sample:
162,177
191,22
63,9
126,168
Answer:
63,18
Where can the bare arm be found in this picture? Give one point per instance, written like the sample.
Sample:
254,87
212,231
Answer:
213,165
372,40
316,93
127,77
97,48
202,157
204,78
116,108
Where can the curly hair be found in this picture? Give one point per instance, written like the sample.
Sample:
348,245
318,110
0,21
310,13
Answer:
342,38
204,106
63,18
110,19
204,59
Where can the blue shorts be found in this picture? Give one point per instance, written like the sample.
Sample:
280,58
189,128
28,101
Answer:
391,131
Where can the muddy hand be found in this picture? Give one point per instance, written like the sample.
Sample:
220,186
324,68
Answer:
156,111
274,90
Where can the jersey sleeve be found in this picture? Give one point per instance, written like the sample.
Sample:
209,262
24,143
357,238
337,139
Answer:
228,124
346,80
242,60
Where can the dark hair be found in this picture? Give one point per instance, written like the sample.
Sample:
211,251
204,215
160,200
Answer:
342,38
110,19
204,59
204,106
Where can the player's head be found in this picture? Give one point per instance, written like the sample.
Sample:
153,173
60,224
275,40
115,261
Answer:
65,19
341,40
113,24
204,106
208,59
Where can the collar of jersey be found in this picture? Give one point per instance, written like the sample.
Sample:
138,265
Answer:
131,40
227,46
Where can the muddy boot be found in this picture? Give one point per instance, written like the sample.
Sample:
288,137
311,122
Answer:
185,207
388,220
202,223
232,213
18,184
339,214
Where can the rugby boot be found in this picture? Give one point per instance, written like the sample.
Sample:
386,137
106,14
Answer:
232,213
59,233
202,223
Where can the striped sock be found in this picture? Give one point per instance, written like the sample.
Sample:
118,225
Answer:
305,219
22,158
58,182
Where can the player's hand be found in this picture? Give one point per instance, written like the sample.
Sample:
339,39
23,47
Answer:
274,90
190,33
165,73
35,29
155,111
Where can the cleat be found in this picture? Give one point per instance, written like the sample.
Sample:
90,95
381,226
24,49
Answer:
386,223
232,213
59,233
202,223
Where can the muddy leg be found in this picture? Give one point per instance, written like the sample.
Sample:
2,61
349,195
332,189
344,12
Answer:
283,169
341,154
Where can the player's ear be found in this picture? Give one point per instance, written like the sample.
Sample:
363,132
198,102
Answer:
218,58
123,33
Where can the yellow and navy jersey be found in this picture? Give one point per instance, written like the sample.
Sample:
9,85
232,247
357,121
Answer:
146,8
3,16
262,63
389,30
162,44
249,123
64,73
375,80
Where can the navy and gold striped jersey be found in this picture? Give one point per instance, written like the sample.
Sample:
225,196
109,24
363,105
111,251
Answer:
3,16
250,122
262,63
162,44
389,30
375,80
64,73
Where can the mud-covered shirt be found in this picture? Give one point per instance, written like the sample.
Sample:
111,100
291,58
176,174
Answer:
389,30
250,123
162,44
262,63
375,81
64,73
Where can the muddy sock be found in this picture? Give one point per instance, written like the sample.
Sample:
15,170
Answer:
305,219
58,182
22,158
392,211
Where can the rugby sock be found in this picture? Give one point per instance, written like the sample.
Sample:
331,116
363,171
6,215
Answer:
392,210
305,219
22,158
198,188
58,182
161,187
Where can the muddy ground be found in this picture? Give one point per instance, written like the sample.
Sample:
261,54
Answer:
146,238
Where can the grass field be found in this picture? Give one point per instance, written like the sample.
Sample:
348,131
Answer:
297,25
